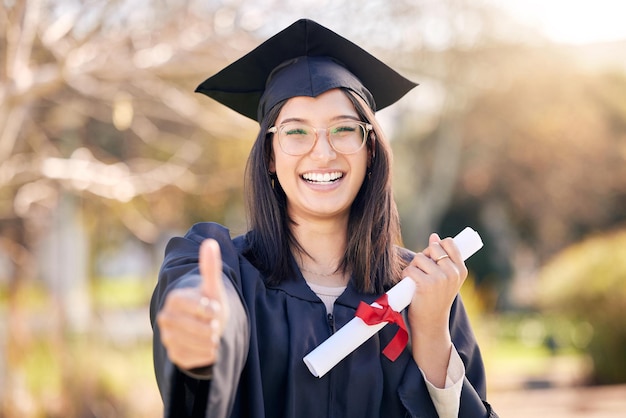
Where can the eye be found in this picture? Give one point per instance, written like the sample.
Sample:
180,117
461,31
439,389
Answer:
295,130
344,129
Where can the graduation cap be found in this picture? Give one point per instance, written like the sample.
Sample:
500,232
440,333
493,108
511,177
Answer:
305,59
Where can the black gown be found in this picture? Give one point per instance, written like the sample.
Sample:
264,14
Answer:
260,372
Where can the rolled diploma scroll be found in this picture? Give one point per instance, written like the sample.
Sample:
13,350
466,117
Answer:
349,337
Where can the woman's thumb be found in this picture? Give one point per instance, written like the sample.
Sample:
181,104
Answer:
211,270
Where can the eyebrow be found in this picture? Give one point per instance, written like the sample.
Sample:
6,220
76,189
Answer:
333,119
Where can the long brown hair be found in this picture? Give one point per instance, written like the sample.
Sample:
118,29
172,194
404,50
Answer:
373,226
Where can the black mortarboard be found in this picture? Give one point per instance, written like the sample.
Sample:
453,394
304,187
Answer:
305,59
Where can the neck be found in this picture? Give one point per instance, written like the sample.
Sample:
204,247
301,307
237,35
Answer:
324,245
338,279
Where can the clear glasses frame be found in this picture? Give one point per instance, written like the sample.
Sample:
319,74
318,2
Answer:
296,138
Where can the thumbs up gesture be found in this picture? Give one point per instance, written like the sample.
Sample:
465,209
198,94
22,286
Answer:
192,320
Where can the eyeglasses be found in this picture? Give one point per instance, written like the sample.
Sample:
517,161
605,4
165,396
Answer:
345,137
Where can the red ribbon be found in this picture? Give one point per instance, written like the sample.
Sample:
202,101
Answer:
373,315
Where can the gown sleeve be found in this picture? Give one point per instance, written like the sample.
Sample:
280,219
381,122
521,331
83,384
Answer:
446,399
473,402
208,391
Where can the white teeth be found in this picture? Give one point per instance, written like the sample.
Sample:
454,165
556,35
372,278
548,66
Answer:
322,178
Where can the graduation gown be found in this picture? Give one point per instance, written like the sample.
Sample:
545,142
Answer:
260,372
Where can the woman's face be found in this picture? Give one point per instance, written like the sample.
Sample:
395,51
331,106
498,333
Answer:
322,183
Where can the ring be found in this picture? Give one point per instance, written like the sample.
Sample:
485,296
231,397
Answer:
438,259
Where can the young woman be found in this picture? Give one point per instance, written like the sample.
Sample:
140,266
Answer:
234,317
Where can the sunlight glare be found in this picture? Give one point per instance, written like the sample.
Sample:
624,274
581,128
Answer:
572,21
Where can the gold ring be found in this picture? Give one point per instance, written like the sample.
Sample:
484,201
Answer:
438,259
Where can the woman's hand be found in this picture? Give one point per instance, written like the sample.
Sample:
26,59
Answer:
439,273
192,320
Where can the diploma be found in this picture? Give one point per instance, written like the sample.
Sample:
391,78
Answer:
349,337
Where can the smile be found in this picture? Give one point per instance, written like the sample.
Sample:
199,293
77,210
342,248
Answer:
322,177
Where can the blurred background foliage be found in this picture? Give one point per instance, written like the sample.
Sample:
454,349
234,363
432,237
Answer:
106,152
586,284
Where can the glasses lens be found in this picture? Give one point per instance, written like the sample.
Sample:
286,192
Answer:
296,138
346,137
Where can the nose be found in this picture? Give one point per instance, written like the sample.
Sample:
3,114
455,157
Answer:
322,150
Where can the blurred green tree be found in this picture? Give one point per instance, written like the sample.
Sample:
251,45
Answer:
586,283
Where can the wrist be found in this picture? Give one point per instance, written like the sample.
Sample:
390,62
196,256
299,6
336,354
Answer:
431,329
431,343
432,356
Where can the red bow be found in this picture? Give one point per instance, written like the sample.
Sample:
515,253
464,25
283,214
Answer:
373,315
